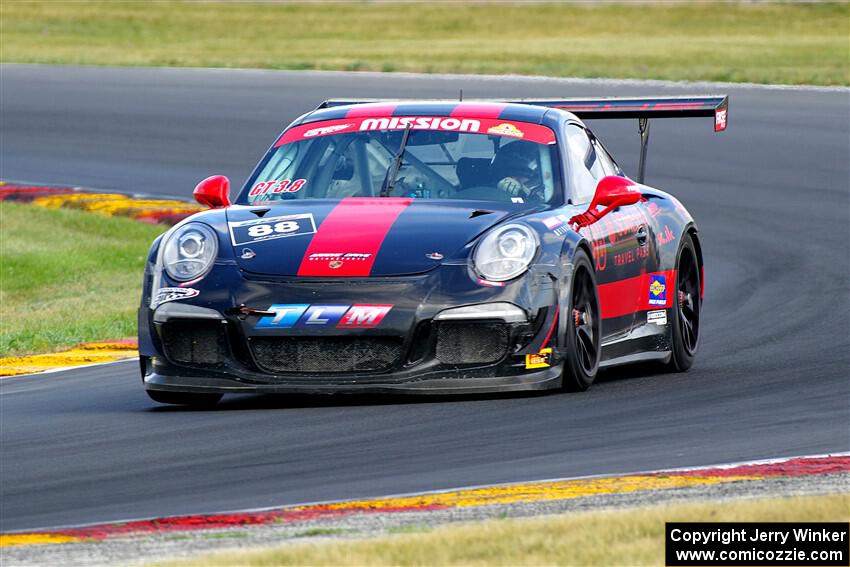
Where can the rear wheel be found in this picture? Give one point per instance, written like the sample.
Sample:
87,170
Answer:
184,398
582,327
686,308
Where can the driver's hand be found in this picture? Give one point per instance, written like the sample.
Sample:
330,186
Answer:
513,187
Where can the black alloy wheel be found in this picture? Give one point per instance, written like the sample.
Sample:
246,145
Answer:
686,310
583,330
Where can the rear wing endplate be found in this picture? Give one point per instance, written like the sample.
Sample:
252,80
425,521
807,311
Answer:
641,108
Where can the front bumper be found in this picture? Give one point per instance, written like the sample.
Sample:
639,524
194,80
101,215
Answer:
539,380
421,363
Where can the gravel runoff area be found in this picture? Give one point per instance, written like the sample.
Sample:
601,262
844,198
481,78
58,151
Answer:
140,550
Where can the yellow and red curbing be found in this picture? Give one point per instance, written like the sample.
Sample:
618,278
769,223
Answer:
110,204
501,494
152,211
87,353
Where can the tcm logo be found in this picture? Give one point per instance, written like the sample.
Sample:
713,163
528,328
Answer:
305,316
421,123
657,290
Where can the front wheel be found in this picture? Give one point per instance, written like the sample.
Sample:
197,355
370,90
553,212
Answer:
582,323
184,398
686,308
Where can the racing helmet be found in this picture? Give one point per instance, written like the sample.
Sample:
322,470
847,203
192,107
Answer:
518,159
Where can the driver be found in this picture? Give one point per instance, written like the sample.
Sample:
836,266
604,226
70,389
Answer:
516,167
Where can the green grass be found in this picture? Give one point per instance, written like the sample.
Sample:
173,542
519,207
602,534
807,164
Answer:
612,537
67,277
763,43
318,532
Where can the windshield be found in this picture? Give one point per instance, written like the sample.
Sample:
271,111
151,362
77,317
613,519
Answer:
432,158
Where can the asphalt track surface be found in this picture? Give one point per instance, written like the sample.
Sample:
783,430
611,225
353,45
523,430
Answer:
770,196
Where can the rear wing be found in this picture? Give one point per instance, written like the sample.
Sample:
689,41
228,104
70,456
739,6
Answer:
641,108
651,107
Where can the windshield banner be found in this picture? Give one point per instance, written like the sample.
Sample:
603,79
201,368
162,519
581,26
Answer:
490,126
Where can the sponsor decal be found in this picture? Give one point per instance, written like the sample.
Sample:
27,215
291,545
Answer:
552,222
321,316
247,254
330,256
327,130
657,317
421,123
434,256
490,284
667,236
268,188
720,120
259,230
624,258
559,224
305,316
539,359
371,120
517,200
657,290
506,129
166,294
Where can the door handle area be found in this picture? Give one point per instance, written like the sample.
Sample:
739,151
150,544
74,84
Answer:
641,235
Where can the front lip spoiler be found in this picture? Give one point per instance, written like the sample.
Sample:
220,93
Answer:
545,379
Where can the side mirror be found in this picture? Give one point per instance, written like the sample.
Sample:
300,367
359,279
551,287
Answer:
612,192
213,192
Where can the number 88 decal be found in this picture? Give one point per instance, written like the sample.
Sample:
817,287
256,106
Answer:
283,227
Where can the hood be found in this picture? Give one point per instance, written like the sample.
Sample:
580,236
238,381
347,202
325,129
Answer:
356,236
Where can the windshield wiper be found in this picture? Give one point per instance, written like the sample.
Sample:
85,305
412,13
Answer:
389,182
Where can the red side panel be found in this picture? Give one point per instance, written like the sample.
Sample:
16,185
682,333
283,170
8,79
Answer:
617,299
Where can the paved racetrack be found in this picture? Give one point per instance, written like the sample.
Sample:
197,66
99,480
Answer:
770,195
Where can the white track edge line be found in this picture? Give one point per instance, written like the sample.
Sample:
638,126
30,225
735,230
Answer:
439,491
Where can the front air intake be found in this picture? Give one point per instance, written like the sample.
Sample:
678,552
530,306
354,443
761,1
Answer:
196,343
321,355
471,343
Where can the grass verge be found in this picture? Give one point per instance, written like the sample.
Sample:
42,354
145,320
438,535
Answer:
613,537
762,43
67,277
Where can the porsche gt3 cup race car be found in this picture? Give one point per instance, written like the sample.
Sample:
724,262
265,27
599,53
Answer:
427,247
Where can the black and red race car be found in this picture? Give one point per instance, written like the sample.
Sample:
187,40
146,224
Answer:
427,247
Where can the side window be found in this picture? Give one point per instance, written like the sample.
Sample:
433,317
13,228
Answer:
605,159
584,170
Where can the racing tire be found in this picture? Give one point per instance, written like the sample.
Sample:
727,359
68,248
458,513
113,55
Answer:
685,313
582,336
184,398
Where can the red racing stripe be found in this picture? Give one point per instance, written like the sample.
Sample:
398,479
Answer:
478,110
627,296
371,110
358,225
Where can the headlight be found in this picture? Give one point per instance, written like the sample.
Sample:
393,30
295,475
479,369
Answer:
190,251
505,253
